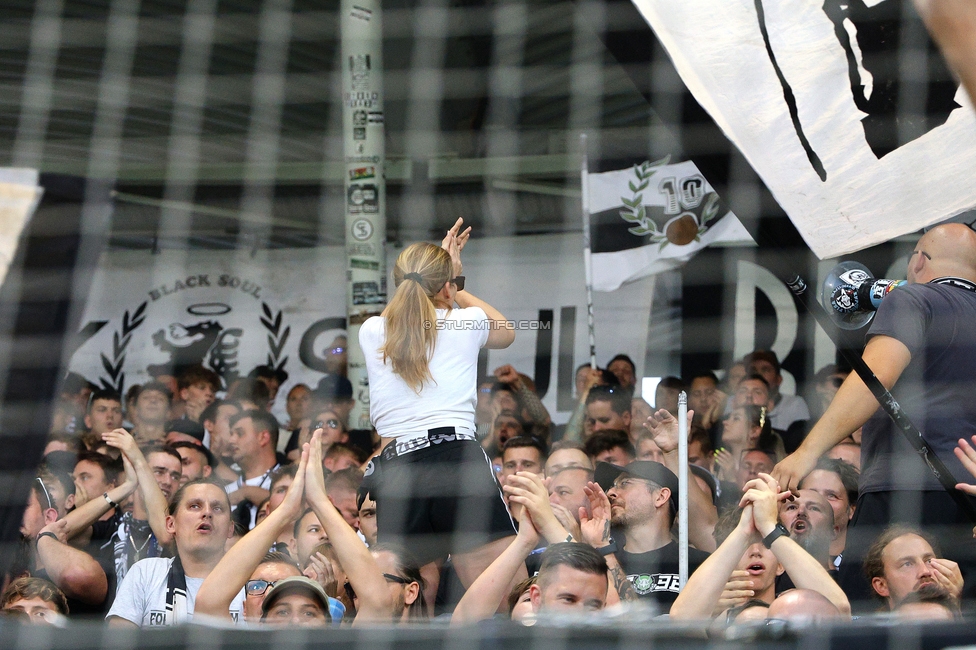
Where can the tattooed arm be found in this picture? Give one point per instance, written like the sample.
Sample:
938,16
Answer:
596,532
620,581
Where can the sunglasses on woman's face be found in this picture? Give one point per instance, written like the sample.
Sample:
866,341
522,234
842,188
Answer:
332,423
458,282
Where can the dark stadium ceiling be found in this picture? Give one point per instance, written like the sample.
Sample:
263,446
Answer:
484,104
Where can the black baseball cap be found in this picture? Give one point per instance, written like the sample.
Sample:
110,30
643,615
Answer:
187,427
334,387
648,470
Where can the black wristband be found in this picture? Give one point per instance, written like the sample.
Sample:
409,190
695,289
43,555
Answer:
46,533
108,500
779,531
609,548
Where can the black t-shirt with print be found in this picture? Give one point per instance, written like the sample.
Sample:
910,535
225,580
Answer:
654,574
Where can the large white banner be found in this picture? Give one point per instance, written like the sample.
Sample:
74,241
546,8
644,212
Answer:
232,311
809,91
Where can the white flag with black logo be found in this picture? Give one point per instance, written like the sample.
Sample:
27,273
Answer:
858,136
651,218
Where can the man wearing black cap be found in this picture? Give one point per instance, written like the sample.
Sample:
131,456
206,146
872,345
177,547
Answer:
335,391
642,499
184,430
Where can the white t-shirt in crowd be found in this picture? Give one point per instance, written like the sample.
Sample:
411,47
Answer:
449,400
789,409
141,598
263,481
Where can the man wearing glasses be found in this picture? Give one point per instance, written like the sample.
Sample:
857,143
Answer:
247,564
274,568
642,499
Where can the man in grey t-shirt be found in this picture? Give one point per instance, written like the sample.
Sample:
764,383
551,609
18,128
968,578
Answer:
922,346
162,591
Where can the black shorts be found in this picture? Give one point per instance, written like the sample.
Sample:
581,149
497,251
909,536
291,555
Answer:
439,500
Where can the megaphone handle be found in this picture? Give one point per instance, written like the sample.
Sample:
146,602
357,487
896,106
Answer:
887,401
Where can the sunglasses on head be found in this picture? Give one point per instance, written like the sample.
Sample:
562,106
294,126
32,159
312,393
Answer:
398,579
47,495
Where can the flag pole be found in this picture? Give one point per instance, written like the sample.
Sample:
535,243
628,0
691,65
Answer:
587,258
682,488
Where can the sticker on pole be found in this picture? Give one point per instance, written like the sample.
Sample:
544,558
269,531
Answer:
362,229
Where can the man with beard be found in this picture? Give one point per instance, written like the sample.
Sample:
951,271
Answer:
810,521
759,524
836,480
641,501
905,560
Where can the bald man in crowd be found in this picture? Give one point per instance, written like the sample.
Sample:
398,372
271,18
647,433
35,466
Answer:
922,347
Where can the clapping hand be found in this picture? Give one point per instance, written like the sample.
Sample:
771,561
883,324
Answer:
663,427
738,590
595,528
320,570
454,242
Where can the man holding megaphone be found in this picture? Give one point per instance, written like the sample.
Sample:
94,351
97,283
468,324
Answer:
922,347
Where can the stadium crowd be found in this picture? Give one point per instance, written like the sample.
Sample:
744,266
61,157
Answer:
186,499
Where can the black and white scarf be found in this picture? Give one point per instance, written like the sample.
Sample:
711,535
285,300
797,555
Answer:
176,597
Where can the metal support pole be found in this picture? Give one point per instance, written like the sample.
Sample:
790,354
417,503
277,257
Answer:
361,25
682,488
587,257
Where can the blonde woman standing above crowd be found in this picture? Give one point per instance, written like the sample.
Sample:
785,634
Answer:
433,484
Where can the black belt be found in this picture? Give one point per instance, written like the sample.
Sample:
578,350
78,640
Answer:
434,437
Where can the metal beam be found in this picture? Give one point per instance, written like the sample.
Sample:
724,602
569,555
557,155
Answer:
223,213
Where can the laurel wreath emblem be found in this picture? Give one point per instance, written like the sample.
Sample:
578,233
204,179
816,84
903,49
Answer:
635,212
684,227
120,341
276,336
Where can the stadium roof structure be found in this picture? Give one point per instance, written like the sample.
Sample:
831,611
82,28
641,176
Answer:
484,104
